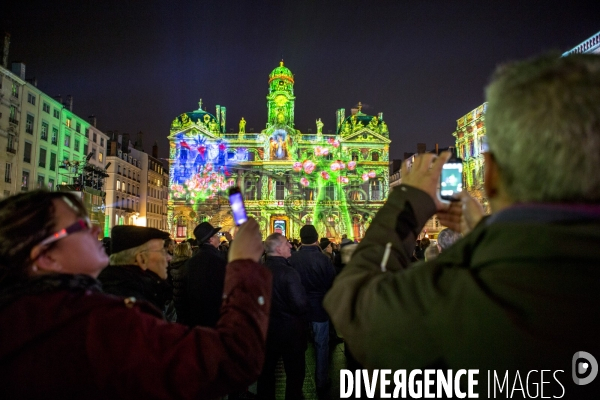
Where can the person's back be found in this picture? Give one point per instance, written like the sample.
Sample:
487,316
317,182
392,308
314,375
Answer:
496,301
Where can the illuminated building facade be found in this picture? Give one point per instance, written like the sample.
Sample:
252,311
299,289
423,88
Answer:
336,182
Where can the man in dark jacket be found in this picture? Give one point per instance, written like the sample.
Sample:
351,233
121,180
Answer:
203,276
138,265
287,325
317,274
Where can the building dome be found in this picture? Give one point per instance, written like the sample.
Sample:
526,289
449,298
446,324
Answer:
281,73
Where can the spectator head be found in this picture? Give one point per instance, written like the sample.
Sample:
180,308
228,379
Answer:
308,234
206,233
141,246
182,251
425,242
324,243
42,231
276,245
446,238
550,101
431,252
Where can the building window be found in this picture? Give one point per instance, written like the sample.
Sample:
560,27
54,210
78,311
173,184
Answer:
375,190
25,181
8,173
15,90
118,204
13,115
68,122
375,156
78,127
52,162
44,133
31,98
102,141
76,148
10,147
85,149
27,153
100,156
118,184
42,160
29,123
40,181
355,156
95,137
56,113
46,108
308,194
118,169
54,135
279,190
67,140
330,191
50,184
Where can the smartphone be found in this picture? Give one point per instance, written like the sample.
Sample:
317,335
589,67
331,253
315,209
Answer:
237,205
451,179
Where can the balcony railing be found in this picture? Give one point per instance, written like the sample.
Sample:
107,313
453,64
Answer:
11,150
13,121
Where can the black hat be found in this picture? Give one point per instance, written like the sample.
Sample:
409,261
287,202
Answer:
323,243
308,234
128,236
205,231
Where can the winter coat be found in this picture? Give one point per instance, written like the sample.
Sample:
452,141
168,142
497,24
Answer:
317,274
289,303
520,292
73,342
132,281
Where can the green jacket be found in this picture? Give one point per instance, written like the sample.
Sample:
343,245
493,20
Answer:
519,292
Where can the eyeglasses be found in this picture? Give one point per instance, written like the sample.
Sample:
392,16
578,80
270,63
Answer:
78,226
81,224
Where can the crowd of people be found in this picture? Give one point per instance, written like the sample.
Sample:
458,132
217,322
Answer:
140,316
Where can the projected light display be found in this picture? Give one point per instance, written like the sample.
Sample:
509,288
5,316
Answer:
335,181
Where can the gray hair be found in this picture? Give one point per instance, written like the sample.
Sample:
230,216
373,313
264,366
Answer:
272,242
543,128
127,257
447,237
431,252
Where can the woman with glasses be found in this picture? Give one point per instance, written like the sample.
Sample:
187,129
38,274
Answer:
62,337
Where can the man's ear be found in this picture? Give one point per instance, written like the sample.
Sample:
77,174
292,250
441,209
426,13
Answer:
140,260
490,176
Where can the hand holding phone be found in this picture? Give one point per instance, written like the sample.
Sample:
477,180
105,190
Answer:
451,179
237,205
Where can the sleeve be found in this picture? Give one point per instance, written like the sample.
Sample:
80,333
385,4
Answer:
372,308
135,355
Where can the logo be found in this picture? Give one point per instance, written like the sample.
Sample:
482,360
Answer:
585,368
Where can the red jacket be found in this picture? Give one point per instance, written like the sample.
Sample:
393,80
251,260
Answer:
82,344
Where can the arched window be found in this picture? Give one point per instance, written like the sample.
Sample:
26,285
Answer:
375,189
375,156
354,156
118,184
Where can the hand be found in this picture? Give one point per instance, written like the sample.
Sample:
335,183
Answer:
425,175
228,236
247,244
462,215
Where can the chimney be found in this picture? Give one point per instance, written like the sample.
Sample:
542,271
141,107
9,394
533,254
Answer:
155,149
125,143
18,68
421,148
5,47
139,145
92,120
69,102
58,98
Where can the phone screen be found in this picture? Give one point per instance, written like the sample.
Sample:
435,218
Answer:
237,206
451,180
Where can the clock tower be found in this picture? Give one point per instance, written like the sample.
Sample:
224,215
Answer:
280,100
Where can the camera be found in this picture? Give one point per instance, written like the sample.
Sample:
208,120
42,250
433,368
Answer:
451,179
237,205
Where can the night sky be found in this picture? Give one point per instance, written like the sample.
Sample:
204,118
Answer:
138,65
